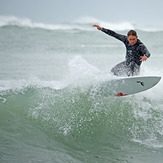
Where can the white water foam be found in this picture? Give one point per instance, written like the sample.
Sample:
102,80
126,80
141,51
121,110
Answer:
83,23
80,69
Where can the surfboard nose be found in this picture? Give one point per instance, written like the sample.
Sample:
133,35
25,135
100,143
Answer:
158,78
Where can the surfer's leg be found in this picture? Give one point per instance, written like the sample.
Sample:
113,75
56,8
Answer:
120,69
133,69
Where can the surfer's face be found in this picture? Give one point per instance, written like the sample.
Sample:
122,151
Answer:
132,39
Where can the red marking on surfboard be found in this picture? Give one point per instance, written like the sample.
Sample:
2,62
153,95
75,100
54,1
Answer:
121,94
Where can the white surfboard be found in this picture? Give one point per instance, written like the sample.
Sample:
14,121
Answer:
128,86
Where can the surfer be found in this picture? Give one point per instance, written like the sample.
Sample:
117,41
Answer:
136,52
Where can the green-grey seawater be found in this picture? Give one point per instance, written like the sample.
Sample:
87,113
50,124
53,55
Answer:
50,106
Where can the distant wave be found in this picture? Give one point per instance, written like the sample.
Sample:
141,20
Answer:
83,23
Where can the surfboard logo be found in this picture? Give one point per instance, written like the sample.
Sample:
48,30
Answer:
142,83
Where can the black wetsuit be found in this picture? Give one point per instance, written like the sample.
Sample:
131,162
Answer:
132,63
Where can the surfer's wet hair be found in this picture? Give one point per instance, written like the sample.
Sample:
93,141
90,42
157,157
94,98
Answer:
132,33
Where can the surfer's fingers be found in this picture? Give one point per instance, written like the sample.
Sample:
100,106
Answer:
143,58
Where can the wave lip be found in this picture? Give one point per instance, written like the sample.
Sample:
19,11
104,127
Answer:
83,23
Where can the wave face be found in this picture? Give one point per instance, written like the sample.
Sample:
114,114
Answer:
77,124
51,108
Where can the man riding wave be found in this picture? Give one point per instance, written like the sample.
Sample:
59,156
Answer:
136,52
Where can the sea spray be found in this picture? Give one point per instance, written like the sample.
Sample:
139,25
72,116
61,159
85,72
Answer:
50,106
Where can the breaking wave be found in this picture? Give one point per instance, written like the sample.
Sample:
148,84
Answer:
83,23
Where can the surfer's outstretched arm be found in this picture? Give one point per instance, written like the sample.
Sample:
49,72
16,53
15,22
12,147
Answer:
111,33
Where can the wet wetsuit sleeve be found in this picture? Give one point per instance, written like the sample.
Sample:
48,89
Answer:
144,50
114,34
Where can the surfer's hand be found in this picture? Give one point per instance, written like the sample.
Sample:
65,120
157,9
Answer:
98,27
143,58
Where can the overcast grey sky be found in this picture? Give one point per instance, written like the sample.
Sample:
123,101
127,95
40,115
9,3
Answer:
58,11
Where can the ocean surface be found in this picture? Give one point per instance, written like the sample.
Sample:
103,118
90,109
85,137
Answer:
50,107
